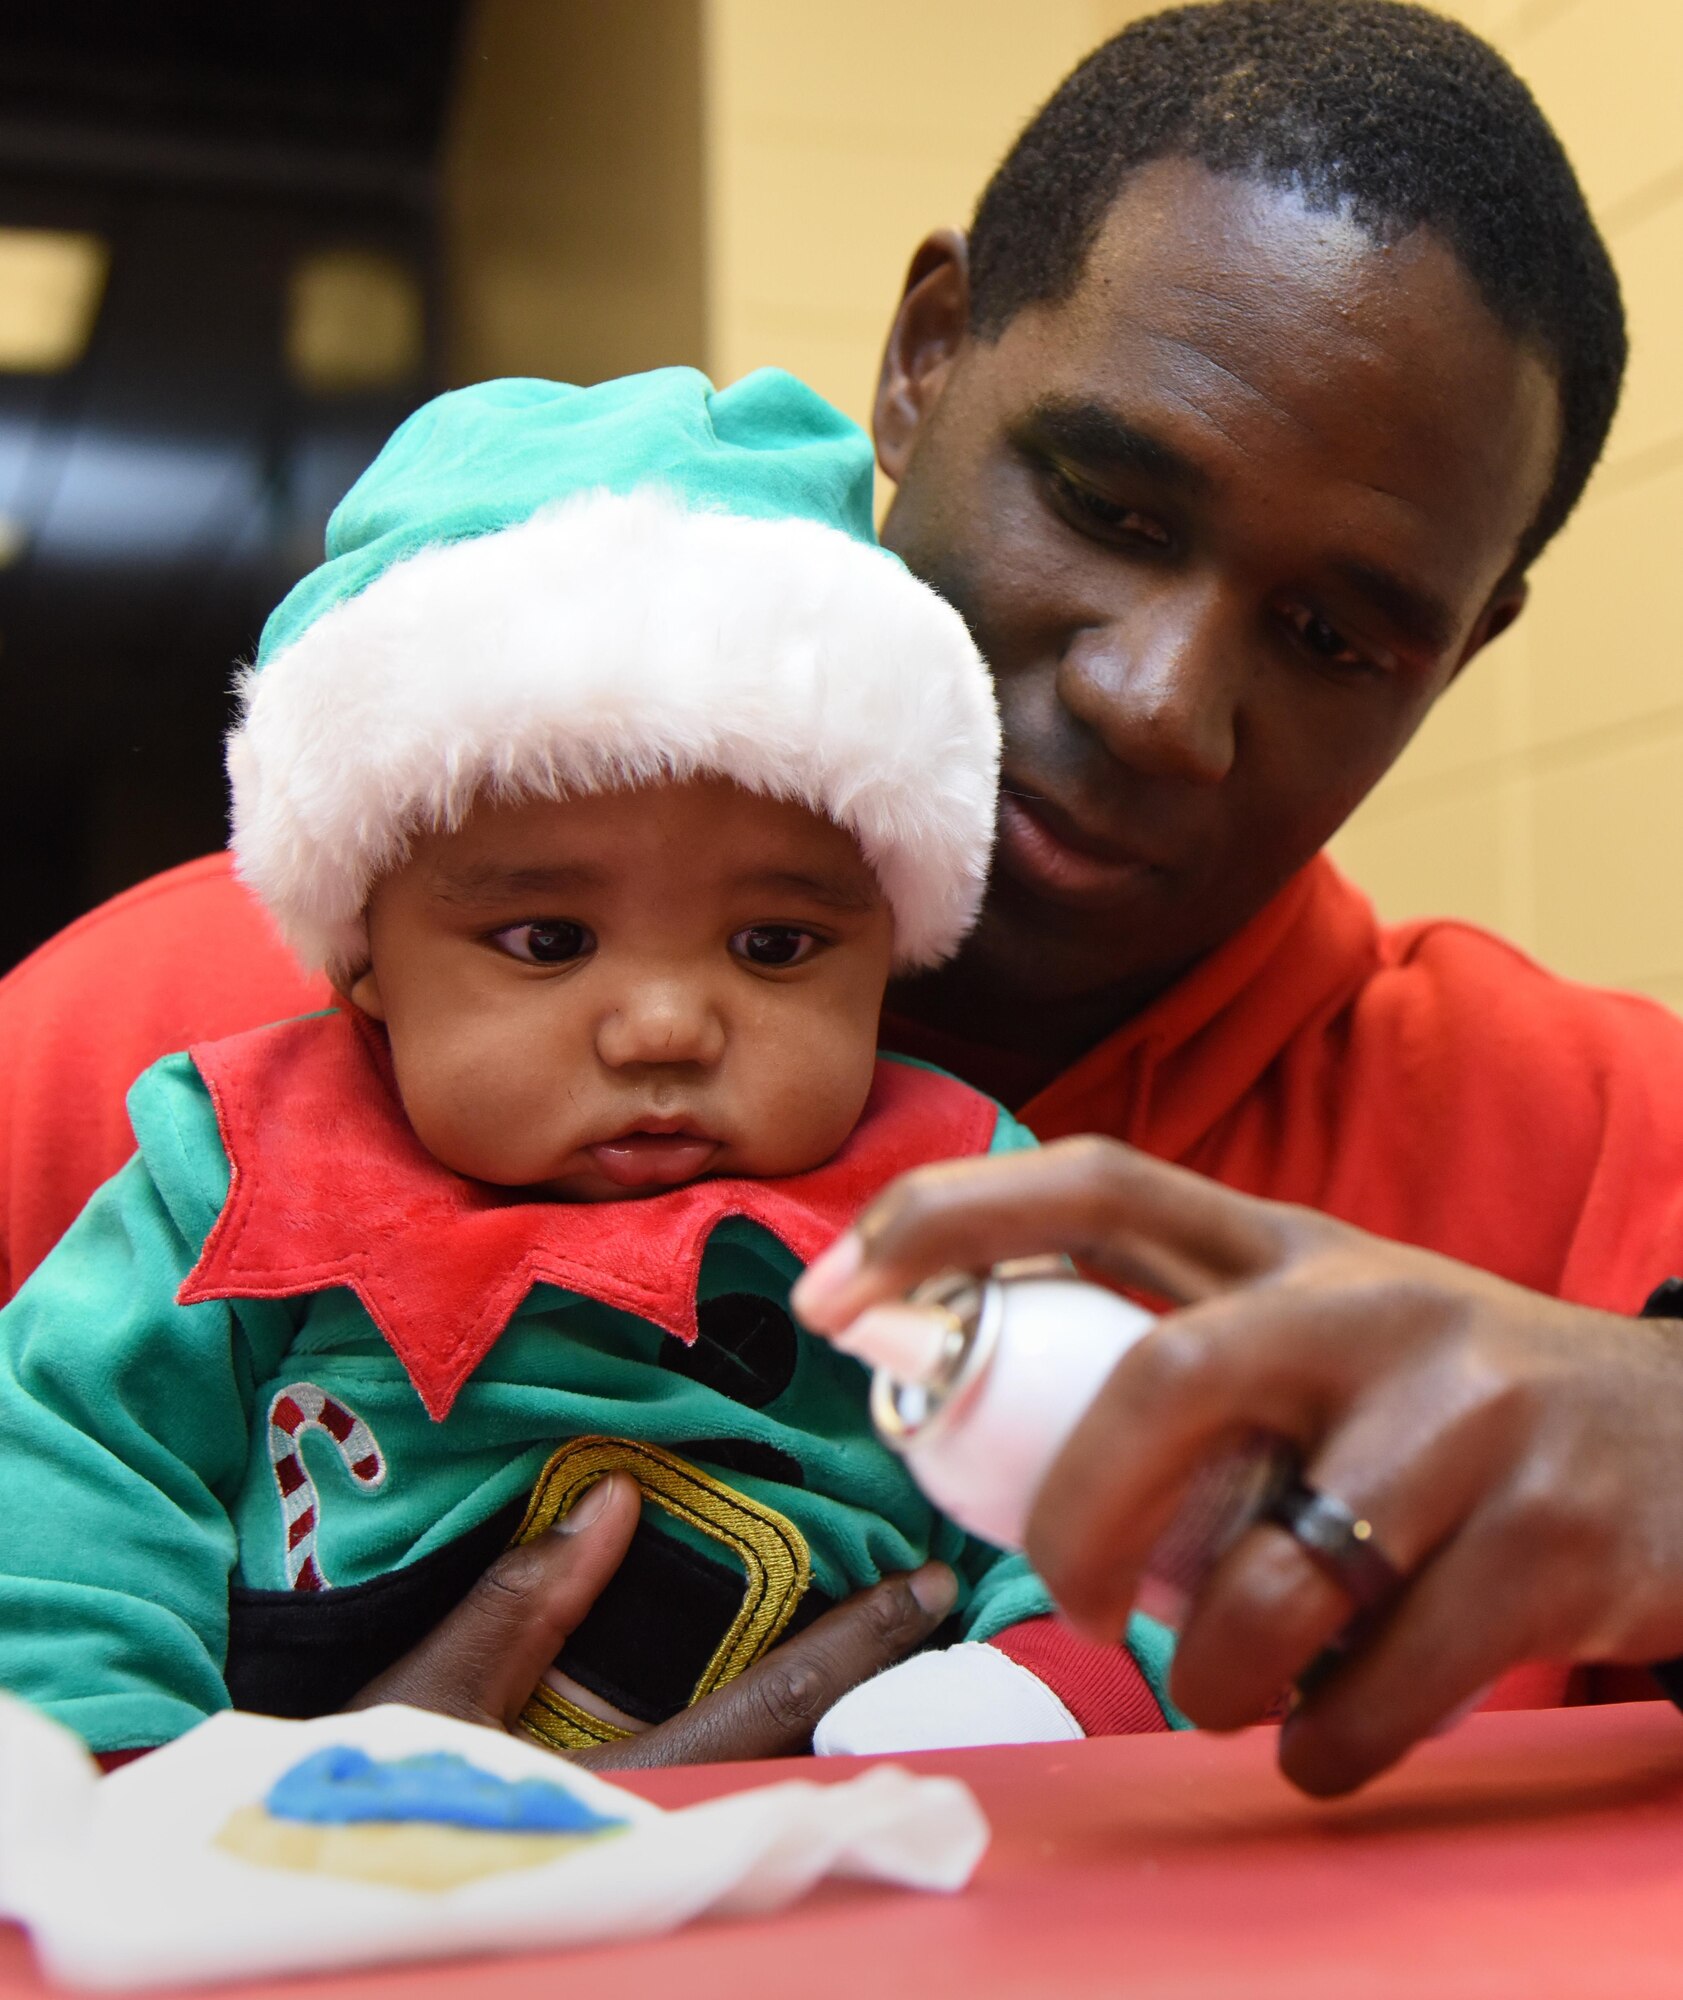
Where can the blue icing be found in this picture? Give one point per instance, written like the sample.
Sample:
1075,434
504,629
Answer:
342,1787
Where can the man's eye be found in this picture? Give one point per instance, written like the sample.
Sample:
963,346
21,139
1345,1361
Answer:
1327,643
1108,517
548,942
774,945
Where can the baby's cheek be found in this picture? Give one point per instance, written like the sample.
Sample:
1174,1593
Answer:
816,1100
476,1109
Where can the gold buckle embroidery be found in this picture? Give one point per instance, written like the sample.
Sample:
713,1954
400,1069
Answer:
560,1724
770,1548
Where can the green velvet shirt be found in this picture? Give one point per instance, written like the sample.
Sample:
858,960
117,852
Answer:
139,1470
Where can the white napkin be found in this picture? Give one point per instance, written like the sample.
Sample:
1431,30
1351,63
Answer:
119,1883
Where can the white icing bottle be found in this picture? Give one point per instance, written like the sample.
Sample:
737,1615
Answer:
978,1382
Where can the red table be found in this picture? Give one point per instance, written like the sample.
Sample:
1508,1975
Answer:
1530,1855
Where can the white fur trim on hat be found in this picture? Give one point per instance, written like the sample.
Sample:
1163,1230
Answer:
609,641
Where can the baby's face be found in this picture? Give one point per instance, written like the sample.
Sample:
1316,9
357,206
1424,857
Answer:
608,996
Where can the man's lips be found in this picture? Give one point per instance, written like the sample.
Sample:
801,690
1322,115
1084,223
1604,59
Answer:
646,1159
1042,848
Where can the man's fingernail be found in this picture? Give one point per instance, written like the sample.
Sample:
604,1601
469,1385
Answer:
826,1278
935,1588
584,1511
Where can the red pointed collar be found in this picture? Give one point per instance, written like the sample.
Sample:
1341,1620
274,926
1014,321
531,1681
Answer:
329,1186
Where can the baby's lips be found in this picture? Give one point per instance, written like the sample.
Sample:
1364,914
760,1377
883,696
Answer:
653,1159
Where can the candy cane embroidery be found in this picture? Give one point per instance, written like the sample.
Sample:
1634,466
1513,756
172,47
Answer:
295,1410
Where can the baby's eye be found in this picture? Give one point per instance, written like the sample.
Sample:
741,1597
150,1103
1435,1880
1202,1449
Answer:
774,945
550,941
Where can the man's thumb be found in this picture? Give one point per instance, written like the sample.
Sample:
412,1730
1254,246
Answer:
484,1660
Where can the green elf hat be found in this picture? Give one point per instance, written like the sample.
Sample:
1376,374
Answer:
541,590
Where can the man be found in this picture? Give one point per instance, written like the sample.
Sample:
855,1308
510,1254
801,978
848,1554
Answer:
1281,345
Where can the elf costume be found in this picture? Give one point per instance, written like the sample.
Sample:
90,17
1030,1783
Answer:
289,1384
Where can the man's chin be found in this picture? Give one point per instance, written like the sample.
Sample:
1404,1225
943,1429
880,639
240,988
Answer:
1054,953
1013,967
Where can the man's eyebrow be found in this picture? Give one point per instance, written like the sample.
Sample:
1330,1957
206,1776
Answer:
1416,613
1104,440
835,892
493,882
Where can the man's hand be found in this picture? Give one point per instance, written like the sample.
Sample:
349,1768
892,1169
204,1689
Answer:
484,1660
1521,1460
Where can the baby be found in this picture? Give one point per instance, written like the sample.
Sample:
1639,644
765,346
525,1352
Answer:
610,768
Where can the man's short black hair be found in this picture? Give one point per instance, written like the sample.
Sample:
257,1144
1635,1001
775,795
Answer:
1388,112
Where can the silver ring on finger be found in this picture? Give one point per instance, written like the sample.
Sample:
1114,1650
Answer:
1339,1542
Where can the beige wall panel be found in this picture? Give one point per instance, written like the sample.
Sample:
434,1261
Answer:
1575,744
1446,853
823,204
1606,620
1469,749
1485,17
574,232
1608,848
829,161
903,73
1668,991
837,358
1607,72
1649,257
1479,720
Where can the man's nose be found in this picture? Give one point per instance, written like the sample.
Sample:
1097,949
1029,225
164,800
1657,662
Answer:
1159,685
658,1022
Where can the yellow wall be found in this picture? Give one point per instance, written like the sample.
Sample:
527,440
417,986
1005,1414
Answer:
574,227
838,136
1542,797
728,182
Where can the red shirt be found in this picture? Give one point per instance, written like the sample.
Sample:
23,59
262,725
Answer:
186,957
1427,1081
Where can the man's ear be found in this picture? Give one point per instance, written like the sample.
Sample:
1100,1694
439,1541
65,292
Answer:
929,328
1498,615
363,991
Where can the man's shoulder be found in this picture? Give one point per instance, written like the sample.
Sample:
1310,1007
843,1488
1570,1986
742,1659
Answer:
175,894
184,957
1459,983
1492,1109
181,957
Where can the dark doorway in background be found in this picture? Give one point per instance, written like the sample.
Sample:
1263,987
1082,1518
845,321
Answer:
218,250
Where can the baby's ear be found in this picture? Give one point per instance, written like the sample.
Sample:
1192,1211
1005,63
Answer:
361,989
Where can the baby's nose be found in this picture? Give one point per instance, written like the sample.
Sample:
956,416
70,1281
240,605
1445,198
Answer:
668,1022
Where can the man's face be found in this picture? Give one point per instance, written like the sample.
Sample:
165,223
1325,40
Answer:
1226,522
609,996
